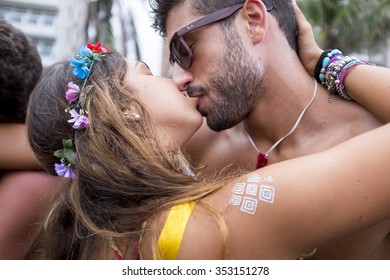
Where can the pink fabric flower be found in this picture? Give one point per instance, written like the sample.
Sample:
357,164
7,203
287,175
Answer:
72,94
79,121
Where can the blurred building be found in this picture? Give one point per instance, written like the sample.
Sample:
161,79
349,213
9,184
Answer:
57,27
60,27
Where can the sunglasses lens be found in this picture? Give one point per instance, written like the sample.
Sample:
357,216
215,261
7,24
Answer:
180,53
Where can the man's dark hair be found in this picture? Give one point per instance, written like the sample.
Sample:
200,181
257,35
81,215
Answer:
282,10
20,68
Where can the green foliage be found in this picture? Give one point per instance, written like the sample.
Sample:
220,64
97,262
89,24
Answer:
350,25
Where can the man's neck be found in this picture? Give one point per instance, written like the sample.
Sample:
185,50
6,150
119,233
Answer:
280,106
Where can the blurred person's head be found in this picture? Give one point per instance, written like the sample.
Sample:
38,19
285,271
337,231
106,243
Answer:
20,68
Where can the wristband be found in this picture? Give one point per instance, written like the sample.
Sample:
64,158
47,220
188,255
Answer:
318,67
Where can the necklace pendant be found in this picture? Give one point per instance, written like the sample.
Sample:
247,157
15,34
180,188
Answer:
262,160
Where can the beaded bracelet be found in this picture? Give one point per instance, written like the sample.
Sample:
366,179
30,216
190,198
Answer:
340,86
318,67
333,71
332,68
323,62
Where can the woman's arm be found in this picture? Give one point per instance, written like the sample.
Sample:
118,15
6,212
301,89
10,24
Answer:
330,194
15,152
370,87
289,208
367,85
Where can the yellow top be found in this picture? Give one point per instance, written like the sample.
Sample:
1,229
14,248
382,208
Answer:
173,231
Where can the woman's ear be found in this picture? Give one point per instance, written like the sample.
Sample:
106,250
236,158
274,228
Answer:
255,15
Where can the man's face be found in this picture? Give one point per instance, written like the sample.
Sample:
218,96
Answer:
222,75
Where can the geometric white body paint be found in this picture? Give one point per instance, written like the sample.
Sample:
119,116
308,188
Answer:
251,189
268,179
235,200
239,188
267,194
254,178
247,195
249,205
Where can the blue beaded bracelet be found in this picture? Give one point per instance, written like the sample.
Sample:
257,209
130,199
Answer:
325,63
318,67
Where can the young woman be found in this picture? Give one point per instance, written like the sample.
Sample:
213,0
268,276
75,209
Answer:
115,131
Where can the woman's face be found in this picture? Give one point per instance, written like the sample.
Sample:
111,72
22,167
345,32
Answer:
174,115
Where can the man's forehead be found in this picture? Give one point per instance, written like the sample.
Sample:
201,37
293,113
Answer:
178,17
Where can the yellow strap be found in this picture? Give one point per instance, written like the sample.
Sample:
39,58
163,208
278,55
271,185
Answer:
172,234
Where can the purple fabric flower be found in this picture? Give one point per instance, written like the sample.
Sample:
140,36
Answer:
81,69
72,94
79,121
63,170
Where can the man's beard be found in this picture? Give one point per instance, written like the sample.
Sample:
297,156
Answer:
238,80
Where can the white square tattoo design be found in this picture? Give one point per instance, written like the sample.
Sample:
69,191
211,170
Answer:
267,194
235,200
249,205
254,178
268,179
251,189
239,188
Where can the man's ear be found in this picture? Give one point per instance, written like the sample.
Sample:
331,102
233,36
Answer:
255,14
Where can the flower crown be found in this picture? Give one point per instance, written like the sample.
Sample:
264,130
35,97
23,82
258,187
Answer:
87,55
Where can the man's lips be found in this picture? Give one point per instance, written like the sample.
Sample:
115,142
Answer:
196,94
199,93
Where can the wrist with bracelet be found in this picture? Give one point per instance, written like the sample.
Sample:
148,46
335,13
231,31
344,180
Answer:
332,68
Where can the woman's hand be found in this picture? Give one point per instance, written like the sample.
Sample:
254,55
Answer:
308,50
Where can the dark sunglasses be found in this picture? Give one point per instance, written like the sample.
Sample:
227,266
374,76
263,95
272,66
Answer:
180,52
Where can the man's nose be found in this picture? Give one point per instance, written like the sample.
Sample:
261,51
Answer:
182,78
